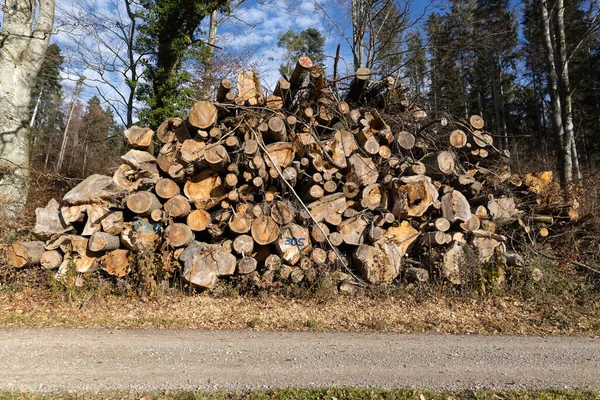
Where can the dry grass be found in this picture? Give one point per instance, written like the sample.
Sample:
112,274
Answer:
36,308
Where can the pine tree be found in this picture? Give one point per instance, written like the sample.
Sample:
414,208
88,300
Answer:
416,67
309,42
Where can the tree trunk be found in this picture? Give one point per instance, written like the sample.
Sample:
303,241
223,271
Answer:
23,45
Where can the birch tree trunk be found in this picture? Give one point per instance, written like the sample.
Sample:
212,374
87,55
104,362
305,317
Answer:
564,154
26,30
565,90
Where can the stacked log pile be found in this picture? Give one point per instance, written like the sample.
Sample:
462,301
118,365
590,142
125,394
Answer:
279,187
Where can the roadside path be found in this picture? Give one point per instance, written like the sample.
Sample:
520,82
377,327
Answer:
146,360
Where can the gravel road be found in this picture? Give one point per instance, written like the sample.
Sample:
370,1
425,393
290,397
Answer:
145,360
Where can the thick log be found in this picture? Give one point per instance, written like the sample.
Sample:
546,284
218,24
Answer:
25,254
405,140
217,157
293,243
444,163
241,223
243,244
455,207
247,265
116,263
192,151
373,265
205,189
283,212
178,235
472,224
143,203
414,196
277,129
167,157
173,130
51,259
198,220
177,207
71,214
159,216
452,262
200,267
94,189
359,84
49,221
319,235
282,89
318,256
458,139
374,196
143,162
225,87
264,230
140,138
362,170
300,74
249,89
96,213
329,208
503,209
476,121
282,154
166,188
127,178
203,115
354,230
102,241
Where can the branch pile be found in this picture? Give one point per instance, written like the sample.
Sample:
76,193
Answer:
278,188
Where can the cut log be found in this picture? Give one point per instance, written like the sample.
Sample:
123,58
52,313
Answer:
455,207
277,129
51,259
372,264
167,157
48,221
203,115
198,220
402,236
178,235
318,256
249,89
96,213
143,162
116,263
406,140
102,242
94,189
282,89
476,121
264,230
127,178
177,207
200,268
329,208
192,151
205,189
143,203
414,197
140,138
458,139
293,243
444,163
25,254
283,212
225,87
172,130
300,74
472,224
217,157
246,265
359,84
282,154
453,259
374,196
243,244
362,170
159,216
433,239
418,275
319,235
503,209
354,230
166,188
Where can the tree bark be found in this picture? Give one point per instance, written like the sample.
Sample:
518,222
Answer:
23,42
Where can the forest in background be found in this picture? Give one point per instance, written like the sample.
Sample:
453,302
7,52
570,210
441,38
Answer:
530,68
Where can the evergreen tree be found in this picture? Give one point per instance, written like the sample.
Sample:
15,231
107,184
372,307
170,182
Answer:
308,42
416,67
169,36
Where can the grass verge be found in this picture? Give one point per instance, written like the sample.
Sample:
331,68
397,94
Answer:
403,314
318,394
